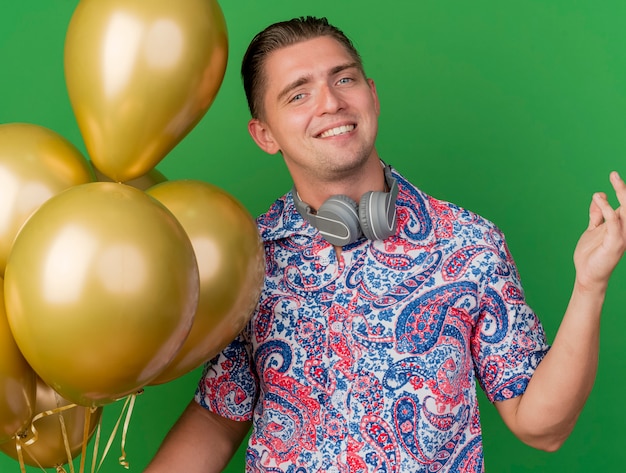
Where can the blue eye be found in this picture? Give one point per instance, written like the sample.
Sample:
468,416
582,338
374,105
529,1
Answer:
344,80
296,97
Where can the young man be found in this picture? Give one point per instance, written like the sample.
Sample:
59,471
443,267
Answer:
381,304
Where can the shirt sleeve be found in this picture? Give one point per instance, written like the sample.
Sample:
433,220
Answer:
228,386
509,341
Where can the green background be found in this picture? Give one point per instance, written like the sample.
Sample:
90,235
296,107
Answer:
513,110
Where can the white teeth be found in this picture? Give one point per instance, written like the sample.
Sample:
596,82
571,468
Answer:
340,130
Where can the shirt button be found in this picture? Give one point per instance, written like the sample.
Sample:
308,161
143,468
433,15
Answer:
324,261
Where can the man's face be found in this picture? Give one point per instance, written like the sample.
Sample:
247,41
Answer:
319,110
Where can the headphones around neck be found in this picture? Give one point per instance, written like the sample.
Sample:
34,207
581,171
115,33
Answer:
342,221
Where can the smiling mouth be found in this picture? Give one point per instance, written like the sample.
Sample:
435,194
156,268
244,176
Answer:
340,130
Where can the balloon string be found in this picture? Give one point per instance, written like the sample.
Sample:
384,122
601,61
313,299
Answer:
66,441
20,455
66,444
112,436
34,434
83,452
21,451
96,446
27,438
129,400
122,460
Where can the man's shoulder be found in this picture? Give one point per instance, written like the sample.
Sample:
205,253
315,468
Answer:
281,220
436,212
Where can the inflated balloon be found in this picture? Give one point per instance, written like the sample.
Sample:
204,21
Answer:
17,382
150,179
48,448
101,288
35,164
231,264
140,75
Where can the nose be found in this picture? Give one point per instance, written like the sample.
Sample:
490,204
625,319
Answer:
330,100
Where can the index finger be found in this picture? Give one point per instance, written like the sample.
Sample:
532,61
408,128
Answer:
619,186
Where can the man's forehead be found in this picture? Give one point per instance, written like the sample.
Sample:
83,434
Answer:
320,55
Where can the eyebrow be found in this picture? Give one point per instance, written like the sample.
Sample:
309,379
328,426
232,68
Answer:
304,79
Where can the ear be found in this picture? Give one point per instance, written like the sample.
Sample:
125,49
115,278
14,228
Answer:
374,95
262,136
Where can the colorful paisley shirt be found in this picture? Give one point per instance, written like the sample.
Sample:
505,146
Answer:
369,364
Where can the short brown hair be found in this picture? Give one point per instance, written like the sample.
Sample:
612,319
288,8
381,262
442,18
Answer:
280,35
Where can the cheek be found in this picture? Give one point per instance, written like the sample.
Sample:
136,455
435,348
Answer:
373,104
289,136
293,125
